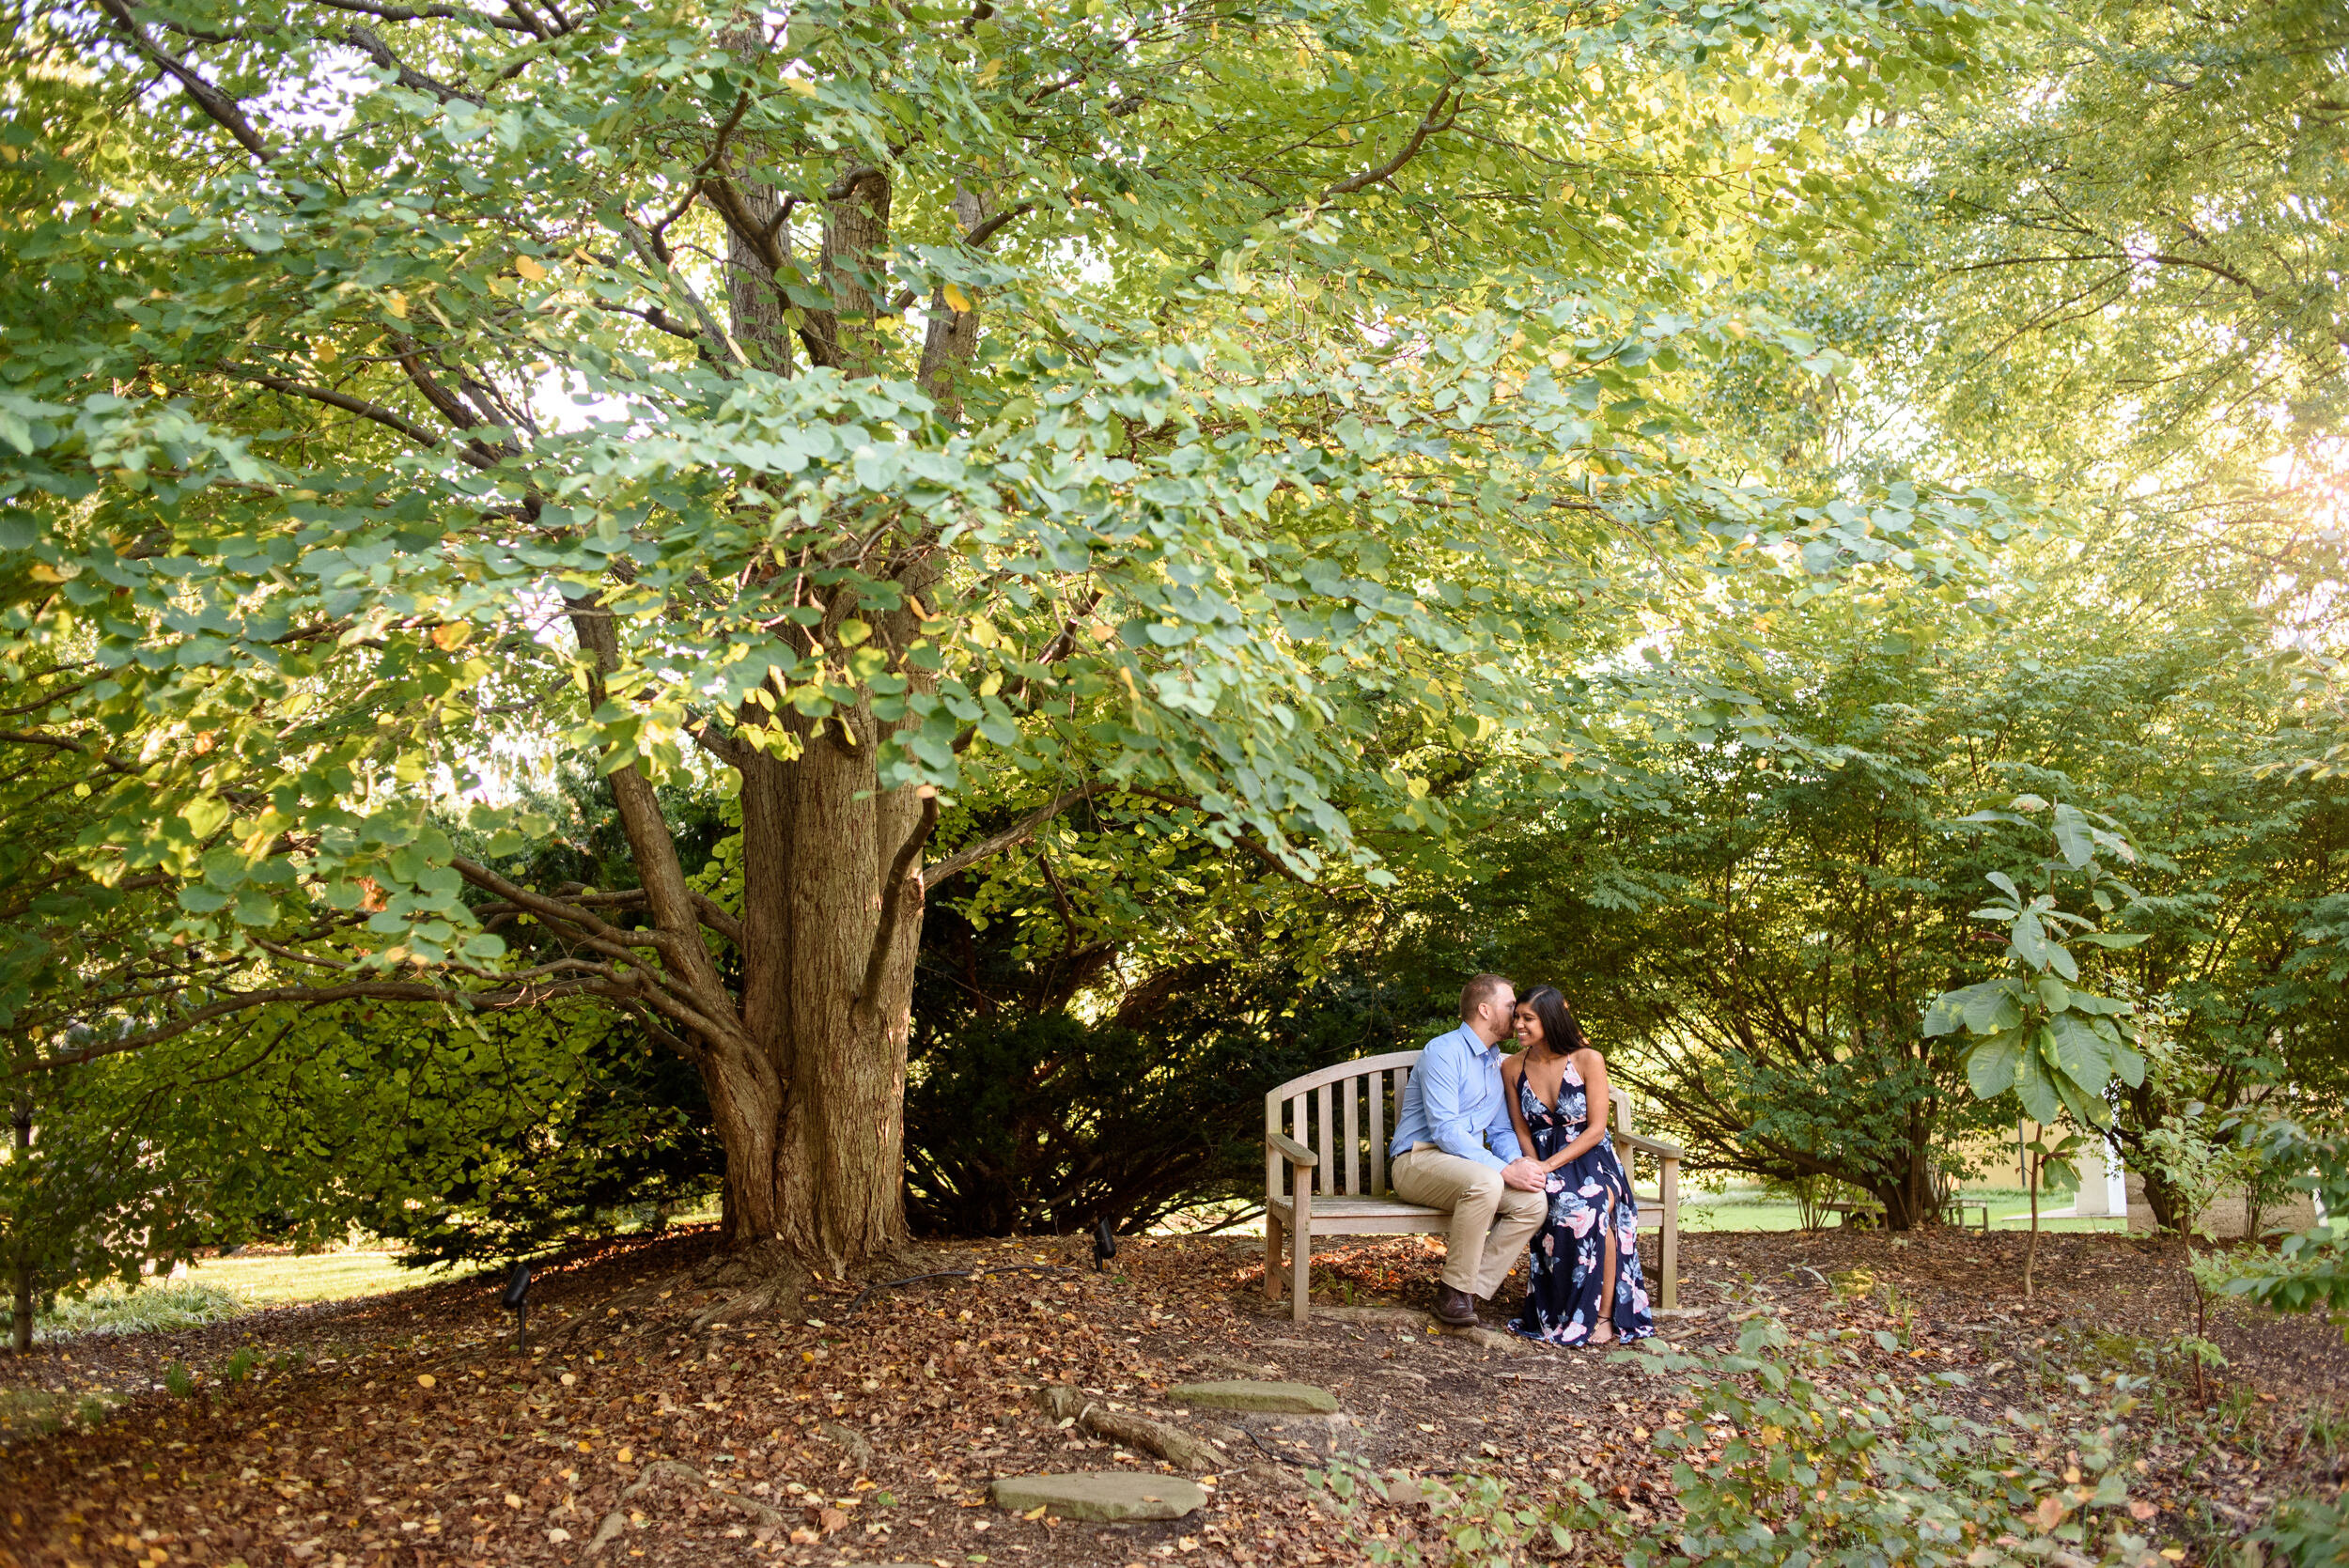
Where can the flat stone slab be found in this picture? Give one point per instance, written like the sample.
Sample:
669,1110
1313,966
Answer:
1289,1399
1107,1495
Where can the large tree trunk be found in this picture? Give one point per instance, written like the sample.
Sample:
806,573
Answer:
21,1336
1908,1196
810,1106
806,1061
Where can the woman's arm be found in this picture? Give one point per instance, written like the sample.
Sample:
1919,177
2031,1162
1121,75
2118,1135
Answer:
1593,1070
1512,1071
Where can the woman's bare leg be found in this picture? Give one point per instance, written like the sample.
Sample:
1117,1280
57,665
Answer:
1604,1331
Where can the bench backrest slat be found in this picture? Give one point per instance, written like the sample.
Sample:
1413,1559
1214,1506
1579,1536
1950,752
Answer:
1326,1145
1352,1091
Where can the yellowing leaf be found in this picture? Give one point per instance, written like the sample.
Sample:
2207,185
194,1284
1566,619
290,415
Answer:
990,71
397,303
452,635
798,84
529,268
957,300
424,1380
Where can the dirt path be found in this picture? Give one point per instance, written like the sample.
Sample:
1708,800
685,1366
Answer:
410,1433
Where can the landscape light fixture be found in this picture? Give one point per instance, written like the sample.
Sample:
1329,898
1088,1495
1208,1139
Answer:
1104,1244
517,1302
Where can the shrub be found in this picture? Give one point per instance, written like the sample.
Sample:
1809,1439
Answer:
2307,1532
1041,1122
1777,1468
159,1305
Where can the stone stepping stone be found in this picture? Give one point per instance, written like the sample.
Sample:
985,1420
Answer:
1105,1495
1280,1399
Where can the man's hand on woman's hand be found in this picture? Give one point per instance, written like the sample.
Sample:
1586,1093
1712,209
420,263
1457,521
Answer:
1526,1175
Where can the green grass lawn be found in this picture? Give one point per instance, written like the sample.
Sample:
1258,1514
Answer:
1737,1210
276,1282
218,1288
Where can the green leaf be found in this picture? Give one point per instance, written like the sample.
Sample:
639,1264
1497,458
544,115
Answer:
2074,839
1992,1065
2029,941
2087,1108
2113,938
2034,1086
2081,1051
1984,1009
2053,994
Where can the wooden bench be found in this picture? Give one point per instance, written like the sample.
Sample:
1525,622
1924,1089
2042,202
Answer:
1325,1172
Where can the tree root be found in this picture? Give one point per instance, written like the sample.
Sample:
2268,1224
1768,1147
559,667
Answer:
781,1288
1170,1443
850,1441
669,1469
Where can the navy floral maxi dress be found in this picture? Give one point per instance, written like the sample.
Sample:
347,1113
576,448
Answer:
1568,1269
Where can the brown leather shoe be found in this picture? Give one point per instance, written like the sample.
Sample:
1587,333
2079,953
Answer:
1455,1307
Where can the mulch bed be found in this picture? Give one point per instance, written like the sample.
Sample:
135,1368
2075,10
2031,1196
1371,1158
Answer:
867,1427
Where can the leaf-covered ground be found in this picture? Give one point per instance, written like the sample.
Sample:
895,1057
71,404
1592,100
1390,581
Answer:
404,1430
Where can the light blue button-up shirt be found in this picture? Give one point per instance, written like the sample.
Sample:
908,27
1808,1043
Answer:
1454,1101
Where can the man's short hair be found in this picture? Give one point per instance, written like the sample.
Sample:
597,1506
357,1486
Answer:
1480,990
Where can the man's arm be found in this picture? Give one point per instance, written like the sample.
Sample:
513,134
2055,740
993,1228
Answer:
1443,1078
1501,1131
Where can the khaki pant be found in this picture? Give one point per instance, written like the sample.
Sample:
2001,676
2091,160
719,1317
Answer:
1491,1222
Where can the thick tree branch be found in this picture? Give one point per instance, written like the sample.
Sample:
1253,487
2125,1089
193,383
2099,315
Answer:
1019,832
390,419
224,110
382,990
1438,119
903,868
423,13
367,41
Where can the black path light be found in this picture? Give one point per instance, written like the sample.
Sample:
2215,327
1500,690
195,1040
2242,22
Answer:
517,1302
1104,1242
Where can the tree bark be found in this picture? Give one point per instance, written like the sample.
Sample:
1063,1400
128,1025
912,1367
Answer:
21,1117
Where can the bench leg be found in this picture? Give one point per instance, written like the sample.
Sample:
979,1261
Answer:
1668,1248
1271,1256
1301,1262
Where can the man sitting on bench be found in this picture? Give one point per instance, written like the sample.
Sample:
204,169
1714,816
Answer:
1455,1150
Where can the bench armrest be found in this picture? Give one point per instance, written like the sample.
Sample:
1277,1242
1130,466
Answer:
1656,1146
1291,1150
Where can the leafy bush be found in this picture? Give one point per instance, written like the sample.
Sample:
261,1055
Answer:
1043,1123
160,1306
1046,1124
2307,1532
2308,1272
1778,1469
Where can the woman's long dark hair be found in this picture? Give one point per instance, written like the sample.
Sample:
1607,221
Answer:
1561,1034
